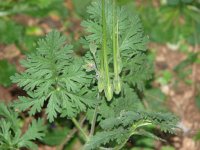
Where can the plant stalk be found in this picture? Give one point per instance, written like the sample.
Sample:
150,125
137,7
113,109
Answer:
93,122
132,132
67,139
70,135
76,123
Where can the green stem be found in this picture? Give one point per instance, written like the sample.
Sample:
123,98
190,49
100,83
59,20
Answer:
67,139
132,132
76,123
93,121
70,135
121,146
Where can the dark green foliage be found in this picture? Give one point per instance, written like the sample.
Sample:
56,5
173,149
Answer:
6,70
102,138
32,7
130,123
192,57
11,136
155,97
127,101
183,69
127,115
166,122
55,136
177,18
53,75
175,2
10,32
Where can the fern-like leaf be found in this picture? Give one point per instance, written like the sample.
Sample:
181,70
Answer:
35,131
53,75
102,138
11,136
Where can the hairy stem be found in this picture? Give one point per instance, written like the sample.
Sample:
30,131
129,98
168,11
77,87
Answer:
132,132
70,135
76,123
121,146
67,139
93,121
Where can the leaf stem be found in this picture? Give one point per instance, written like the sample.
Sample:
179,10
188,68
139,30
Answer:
70,135
121,146
67,139
76,123
132,132
93,121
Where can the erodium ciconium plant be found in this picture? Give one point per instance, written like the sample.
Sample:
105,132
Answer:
102,85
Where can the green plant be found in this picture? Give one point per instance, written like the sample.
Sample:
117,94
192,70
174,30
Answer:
177,18
102,86
6,70
32,7
11,137
16,31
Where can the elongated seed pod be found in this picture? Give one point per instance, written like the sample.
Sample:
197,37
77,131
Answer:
116,54
107,85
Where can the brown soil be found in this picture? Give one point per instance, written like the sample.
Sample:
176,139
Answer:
180,97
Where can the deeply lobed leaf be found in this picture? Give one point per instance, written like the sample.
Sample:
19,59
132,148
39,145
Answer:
53,75
11,136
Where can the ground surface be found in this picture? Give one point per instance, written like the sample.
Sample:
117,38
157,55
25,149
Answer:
180,97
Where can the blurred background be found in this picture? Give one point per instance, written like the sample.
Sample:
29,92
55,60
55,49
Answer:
173,27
